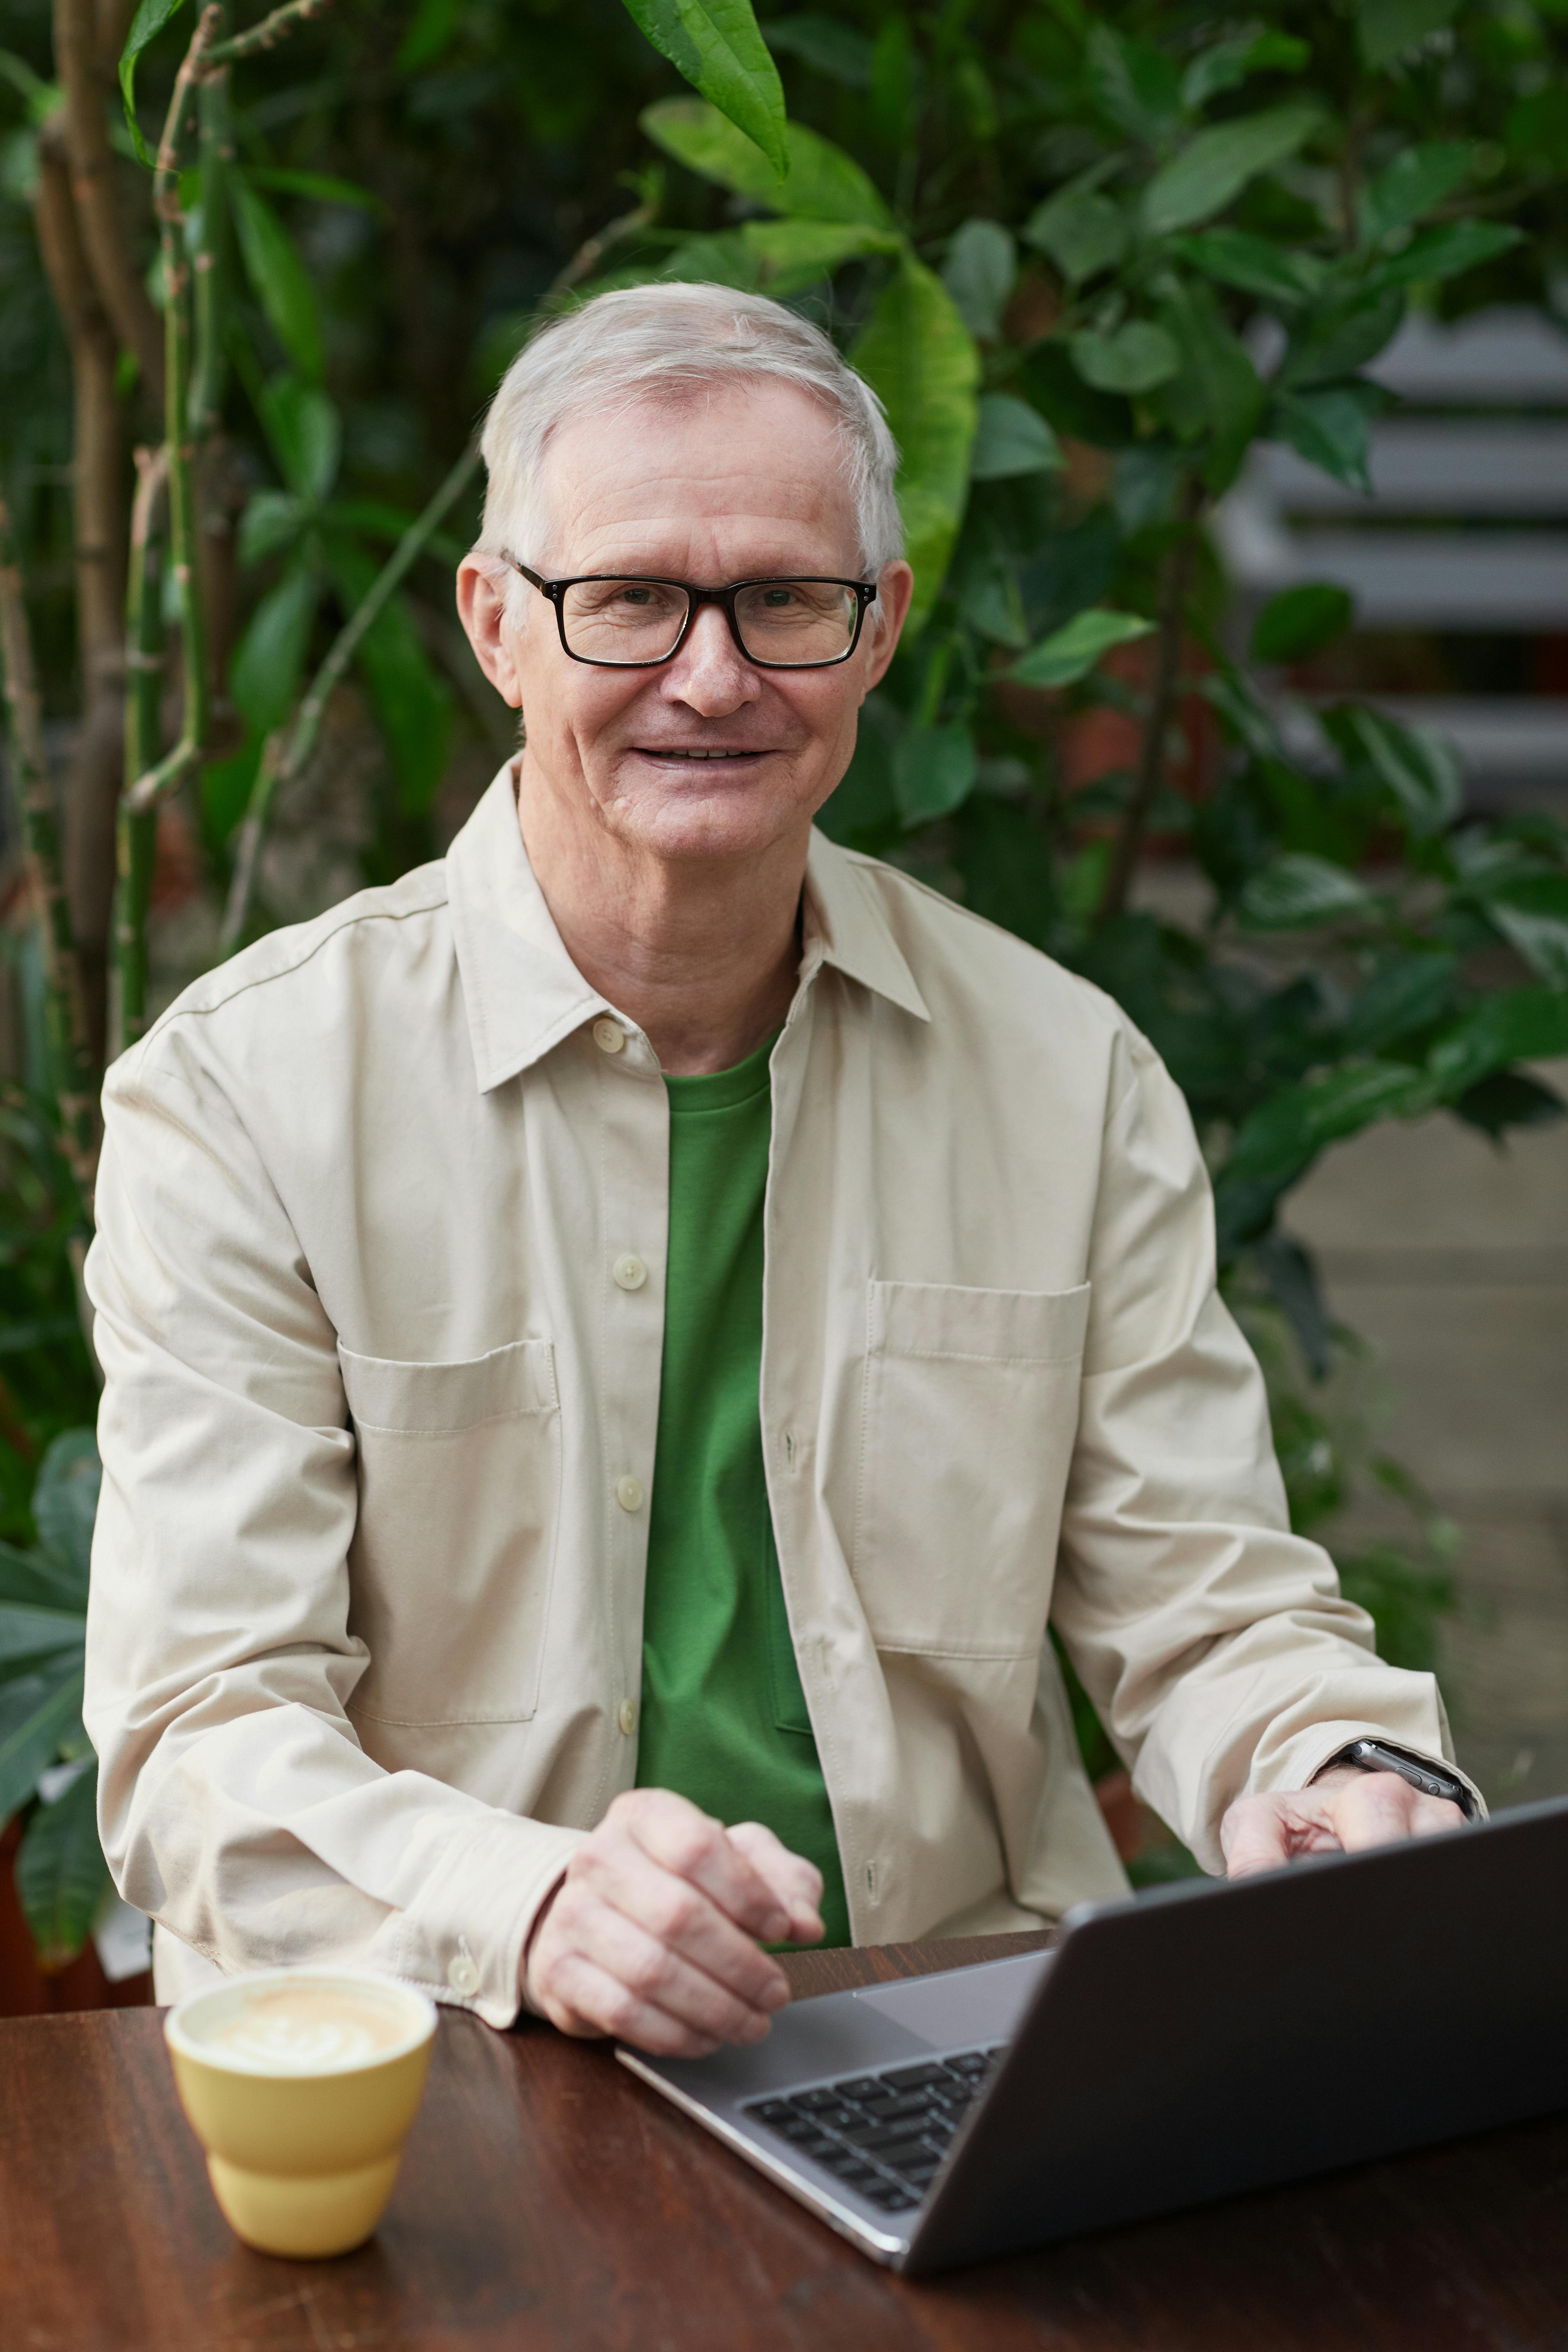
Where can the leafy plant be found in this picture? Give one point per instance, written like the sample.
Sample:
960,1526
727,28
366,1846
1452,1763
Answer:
61,1876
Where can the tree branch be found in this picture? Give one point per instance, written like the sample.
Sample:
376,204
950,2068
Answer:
66,1012
137,838
1162,706
100,209
266,35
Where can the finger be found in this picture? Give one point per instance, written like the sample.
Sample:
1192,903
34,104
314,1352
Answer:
586,1999
678,1912
1381,1809
686,1841
661,1978
795,1880
1262,1832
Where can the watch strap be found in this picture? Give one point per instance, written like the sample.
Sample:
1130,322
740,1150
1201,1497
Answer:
1432,1780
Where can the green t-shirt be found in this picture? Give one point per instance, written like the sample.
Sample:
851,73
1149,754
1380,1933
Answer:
723,1714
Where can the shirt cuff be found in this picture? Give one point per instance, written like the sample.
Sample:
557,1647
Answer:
461,1940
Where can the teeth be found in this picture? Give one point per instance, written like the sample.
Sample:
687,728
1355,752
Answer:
673,754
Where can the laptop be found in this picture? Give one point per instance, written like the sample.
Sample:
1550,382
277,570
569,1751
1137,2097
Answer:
1181,2045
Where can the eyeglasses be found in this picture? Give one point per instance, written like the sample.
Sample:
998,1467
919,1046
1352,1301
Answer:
617,621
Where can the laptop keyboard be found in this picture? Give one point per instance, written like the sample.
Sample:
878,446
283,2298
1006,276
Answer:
881,2135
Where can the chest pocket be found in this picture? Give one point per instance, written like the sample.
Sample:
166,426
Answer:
459,1500
970,1415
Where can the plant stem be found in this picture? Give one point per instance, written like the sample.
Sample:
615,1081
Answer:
103,217
137,833
1162,704
283,755
214,115
75,1095
272,29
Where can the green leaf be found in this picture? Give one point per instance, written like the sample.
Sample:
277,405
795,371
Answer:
267,666
1134,84
1339,337
1279,1139
1536,132
279,278
1417,764
62,1876
1102,419
1517,1024
271,522
1229,63
1216,164
1447,252
1011,438
1532,913
1331,429
1301,621
822,183
1388,29
986,584
1254,264
1072,652
1082,230
305,434
413,707
982,263
1296,891
65,1499
1419,178
1147,486
149,20
320,186
1408,994
29,1634
715,45
933,771
432,29
834,49
787,256
37,1715
1136,358
1217,390
918,357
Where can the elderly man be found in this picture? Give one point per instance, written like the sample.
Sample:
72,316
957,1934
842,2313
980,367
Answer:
616,1347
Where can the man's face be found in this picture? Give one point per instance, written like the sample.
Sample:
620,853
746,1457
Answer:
707,755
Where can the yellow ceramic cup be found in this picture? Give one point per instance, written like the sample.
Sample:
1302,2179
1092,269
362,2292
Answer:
301,2085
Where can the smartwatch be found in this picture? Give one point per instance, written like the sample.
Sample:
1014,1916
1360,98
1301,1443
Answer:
1432,1780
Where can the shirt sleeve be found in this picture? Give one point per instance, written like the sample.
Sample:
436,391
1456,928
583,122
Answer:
236,1805
1215,1645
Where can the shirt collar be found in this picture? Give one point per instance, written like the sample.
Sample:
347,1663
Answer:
522,993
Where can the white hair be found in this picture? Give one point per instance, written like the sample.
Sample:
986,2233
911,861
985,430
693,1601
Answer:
665,343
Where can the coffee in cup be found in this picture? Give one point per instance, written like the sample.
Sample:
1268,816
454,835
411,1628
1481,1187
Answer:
301,2085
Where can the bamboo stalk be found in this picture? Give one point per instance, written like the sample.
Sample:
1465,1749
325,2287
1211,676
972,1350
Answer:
137,833
100,209
209,263
285,752
66,1009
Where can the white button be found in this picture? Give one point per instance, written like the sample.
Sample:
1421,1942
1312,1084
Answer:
609,1036
630,1271
627,1717
463,1974
628,1494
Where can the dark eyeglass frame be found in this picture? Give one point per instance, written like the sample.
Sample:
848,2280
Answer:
555,590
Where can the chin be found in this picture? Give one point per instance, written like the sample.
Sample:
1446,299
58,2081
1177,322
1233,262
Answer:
738,821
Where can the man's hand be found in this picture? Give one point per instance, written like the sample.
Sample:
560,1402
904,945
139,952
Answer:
653,1932
1343,1810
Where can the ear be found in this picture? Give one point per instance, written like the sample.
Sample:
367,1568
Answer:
481,608
895,587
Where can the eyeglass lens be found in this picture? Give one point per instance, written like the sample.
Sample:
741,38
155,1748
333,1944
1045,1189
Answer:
788,623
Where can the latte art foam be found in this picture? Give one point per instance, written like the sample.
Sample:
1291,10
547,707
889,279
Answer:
310,2029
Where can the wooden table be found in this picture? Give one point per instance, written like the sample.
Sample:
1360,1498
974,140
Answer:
549,2200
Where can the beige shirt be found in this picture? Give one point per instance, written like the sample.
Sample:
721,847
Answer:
380,1287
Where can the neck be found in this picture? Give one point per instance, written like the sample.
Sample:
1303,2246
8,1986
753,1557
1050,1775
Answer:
701,954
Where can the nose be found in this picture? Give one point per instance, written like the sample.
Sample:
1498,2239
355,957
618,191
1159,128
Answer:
710,674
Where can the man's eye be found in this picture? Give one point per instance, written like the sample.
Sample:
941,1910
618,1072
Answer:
777,596
636,596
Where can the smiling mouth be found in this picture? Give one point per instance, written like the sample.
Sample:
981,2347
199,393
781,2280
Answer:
675,751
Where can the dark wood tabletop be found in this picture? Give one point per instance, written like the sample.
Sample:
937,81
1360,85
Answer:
548,2199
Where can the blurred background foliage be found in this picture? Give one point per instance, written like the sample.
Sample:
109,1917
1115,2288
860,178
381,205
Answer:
1088,261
